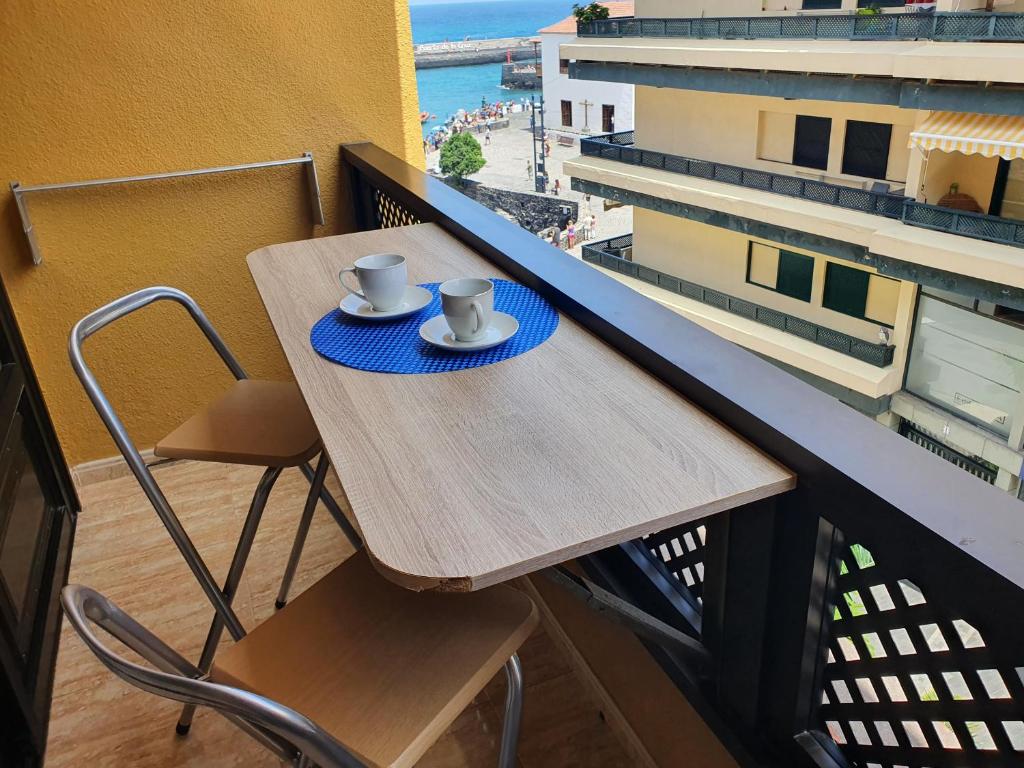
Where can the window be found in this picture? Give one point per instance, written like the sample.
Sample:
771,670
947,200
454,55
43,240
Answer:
608,118
811,141
866,149
563,66
861,294
566,113
967,363
787,273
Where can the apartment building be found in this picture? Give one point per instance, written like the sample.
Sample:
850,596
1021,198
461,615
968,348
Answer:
840,193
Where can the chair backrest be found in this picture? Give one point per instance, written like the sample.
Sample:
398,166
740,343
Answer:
85,328
284,731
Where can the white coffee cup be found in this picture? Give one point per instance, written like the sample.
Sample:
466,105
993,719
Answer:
383,278
468,305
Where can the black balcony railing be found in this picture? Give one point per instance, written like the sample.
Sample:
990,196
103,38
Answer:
619,146
947,27
608,254
873,615
976,225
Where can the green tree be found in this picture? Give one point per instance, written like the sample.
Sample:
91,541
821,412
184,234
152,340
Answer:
461,156
592,12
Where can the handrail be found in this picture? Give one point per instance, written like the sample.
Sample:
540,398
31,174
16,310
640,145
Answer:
771,568
604,254
980,226
945,26
20,190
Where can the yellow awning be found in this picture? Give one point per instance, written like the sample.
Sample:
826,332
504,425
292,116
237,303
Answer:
988,135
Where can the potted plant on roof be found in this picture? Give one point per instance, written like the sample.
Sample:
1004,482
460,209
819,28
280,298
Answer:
592,12
874,25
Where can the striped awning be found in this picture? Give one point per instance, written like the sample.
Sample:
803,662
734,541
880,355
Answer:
988,135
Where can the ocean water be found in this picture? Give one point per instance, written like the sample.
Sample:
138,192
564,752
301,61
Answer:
446,90
436,22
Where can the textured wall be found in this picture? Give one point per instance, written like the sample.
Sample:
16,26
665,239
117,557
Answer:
97,89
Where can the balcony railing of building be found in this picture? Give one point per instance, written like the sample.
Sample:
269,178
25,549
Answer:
608,254
873,615
946,27
619,146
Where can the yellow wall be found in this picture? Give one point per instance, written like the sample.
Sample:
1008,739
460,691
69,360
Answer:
717,258
754,131
95,89
975,175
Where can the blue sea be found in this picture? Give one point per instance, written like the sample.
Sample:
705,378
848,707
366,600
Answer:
446,90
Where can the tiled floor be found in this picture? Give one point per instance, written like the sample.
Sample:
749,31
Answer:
122,550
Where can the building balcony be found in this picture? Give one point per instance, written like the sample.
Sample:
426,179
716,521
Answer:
619,147
944,27
899,236
616,254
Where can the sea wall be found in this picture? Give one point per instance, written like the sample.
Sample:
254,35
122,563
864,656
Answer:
520,76
459,54
530,211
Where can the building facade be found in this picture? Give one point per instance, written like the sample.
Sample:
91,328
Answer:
581,106
840,193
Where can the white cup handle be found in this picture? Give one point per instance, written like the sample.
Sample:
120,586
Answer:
478,312
341,279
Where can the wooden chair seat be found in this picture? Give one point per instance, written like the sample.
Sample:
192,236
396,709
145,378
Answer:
382,669
264,423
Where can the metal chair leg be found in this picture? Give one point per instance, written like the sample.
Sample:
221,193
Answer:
333,508
300,536
513,713
252,522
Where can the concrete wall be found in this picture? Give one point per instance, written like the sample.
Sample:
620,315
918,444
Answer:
94,89
757,131
717,258
558,86
696,8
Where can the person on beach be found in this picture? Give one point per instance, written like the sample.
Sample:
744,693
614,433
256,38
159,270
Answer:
558,186
556,237
487,137
547,148
570,231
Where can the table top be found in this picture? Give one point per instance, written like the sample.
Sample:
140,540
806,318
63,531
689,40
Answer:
461,480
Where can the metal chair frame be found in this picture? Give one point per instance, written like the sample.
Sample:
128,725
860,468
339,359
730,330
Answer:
221,599
288,734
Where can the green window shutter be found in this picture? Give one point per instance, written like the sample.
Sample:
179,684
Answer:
796,273
846,290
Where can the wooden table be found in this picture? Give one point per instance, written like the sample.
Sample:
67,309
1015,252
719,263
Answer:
462,480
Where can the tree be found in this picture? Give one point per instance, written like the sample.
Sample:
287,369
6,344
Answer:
592,12
461,156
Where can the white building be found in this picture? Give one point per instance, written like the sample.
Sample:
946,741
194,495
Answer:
582,106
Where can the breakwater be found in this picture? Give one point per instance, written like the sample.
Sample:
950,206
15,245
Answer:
464,52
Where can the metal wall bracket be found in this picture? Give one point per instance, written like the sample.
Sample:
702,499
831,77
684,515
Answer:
632,618
20,191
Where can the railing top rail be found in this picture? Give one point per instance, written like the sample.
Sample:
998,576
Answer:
902,502
944,26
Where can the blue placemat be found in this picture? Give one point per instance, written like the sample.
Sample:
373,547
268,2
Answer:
396,347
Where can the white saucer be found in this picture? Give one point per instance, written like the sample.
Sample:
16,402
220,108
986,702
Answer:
436,331
415,299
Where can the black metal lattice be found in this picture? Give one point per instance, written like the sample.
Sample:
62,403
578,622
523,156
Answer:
681,549
908,683
391,214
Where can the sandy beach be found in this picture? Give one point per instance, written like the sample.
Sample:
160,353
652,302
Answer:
507,156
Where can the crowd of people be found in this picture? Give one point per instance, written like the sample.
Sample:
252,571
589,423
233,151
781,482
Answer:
477,121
